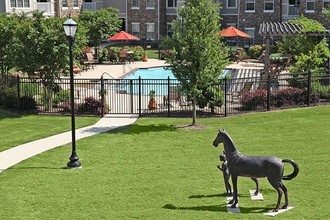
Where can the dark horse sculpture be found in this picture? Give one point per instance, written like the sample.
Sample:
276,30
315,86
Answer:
255,167
226,175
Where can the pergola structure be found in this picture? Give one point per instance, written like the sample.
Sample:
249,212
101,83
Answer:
280,29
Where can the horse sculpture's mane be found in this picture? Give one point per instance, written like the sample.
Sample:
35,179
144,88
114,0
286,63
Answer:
229,141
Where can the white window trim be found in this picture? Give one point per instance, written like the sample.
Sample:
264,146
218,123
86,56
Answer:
153,7
30,5
134,7
151,23
227,1
138,24
250,11
269,11
167,5
310,11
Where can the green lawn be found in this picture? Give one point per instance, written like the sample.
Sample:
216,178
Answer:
16,129
155,170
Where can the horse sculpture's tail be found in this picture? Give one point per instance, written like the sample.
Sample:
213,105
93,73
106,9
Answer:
295,169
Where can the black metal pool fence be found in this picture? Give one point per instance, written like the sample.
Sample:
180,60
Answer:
132,96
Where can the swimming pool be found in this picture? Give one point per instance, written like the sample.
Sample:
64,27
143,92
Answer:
161,73
152,73
155,79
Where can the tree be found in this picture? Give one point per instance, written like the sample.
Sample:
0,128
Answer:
100,24
198,54
42,49
8,25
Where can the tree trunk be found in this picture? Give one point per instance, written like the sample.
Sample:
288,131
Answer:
194,109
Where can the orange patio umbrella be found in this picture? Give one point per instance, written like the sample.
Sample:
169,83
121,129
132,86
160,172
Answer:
122,35
233,32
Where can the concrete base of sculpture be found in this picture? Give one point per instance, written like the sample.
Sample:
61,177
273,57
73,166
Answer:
256,197
271,213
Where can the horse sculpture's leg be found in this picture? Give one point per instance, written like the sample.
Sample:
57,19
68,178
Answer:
276,185
257,185
234,201
284,189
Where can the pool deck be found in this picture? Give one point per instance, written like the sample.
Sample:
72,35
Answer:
117,71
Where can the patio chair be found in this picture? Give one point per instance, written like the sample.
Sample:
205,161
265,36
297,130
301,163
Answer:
238,54
123,55
173,96
88,63
112,56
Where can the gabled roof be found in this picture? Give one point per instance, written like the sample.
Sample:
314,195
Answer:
279,29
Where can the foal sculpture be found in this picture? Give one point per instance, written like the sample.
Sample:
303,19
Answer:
255,167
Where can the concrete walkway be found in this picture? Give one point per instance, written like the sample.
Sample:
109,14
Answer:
22,152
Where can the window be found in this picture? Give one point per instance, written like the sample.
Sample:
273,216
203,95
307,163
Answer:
136,29
250,5
231,3
251,32
169,29
151,31
75,3
20,3
326,3
150,4
64,3
171,3
269,5
310,5
135,4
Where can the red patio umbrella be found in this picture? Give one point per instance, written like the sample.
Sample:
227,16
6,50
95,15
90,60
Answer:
122,35
233,32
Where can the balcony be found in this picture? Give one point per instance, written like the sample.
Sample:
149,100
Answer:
93,6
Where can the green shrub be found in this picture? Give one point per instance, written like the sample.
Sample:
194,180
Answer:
255,51
8,97
27,103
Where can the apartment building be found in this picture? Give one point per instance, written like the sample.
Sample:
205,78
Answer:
58,8
247,15
151,19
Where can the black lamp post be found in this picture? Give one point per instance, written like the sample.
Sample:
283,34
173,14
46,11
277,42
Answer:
70,27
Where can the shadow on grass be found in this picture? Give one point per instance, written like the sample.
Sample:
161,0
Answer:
214,195
212,208
37,168
217,208
138,129
5,114
207,196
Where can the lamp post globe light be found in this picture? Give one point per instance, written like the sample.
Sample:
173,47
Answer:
70,27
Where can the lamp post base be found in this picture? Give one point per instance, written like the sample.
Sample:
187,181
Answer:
74,162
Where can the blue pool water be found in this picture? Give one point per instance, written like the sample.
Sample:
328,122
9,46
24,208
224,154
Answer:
151,73
151,80
160,73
